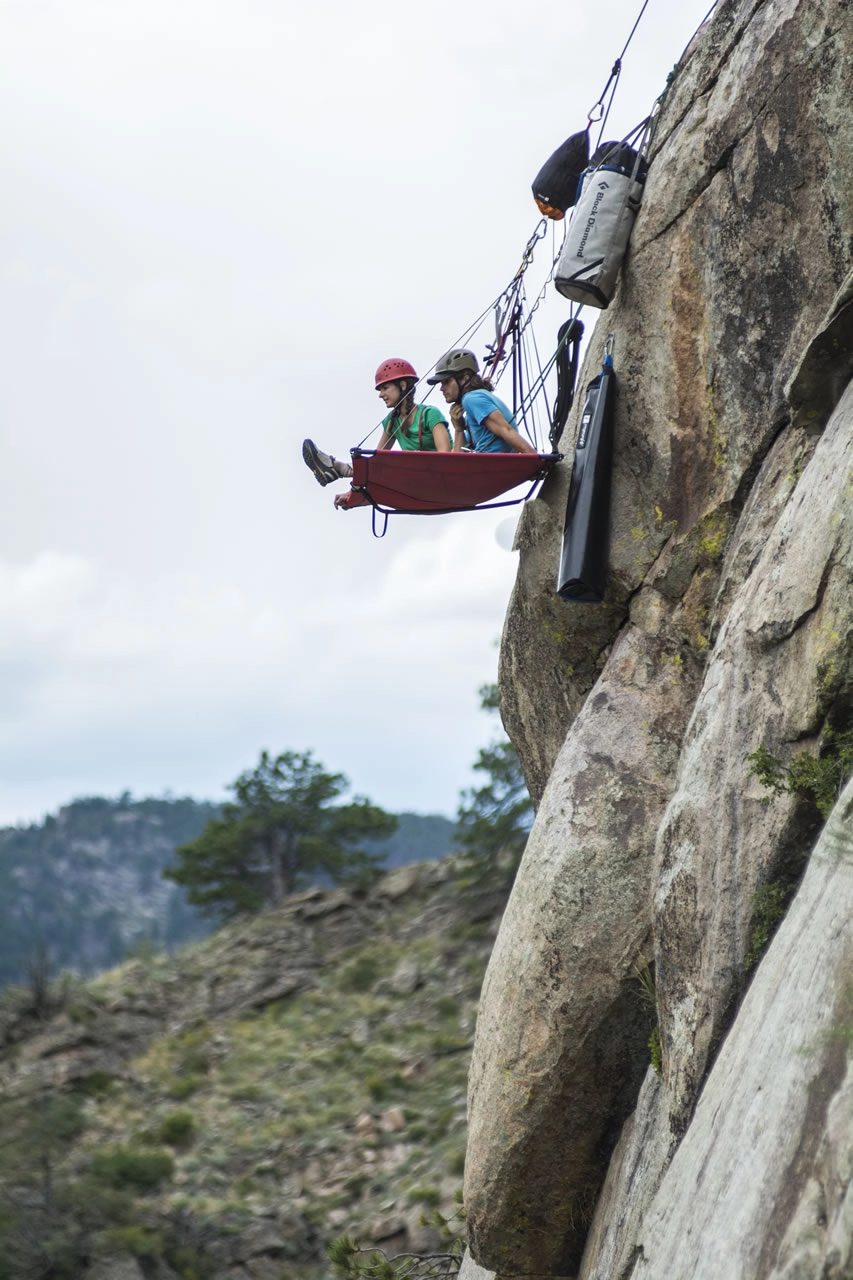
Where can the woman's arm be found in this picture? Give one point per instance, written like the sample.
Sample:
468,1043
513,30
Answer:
498,425
441,437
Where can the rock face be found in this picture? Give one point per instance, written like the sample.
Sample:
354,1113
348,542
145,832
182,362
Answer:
562,1031
781,1090
727,628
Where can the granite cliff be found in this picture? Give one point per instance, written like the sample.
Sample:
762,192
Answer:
726,631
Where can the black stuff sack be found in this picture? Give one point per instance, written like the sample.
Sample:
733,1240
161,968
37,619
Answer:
555,187
621,156
601,225
585,550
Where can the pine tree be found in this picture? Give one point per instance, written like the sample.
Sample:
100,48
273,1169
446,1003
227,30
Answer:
283,828
495,818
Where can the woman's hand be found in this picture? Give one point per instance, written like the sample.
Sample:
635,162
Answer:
457,417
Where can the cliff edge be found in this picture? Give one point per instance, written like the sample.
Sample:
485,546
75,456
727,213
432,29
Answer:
726,631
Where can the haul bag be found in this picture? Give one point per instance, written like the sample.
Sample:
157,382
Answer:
598,234
412,482
583,559
555,186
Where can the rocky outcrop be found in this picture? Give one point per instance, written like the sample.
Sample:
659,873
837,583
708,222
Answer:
781,1090
727,627
777,671
229,1110
563,1028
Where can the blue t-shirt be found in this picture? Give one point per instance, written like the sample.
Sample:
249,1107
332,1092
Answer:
478,405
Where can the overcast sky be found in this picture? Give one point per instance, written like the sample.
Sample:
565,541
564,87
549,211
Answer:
217,219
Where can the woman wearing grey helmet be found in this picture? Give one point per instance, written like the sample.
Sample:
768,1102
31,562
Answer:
476,412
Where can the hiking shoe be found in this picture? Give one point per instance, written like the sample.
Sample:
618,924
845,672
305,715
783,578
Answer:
320,463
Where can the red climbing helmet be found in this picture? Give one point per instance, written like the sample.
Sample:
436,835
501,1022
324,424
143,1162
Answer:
391,370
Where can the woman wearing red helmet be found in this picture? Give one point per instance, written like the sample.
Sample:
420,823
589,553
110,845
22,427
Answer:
412,426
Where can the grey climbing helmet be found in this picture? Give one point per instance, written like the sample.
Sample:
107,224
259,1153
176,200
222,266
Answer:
454,362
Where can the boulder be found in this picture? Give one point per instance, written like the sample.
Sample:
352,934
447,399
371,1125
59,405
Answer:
397,883
126,1268
406,978
421,1236
470,1270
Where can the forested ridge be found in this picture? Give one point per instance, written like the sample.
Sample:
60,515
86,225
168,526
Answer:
84,888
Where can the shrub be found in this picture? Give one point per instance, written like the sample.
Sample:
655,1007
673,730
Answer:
93,1205
441,1122
377,1086
247,1093
139,1170
136,1240
769,905
425,1195
194,1050
177,1129
182,1086
360,974
655,1051
819,778
186,1261
98,1084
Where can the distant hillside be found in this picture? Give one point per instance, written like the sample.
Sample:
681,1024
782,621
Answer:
84,888
87,884
420,837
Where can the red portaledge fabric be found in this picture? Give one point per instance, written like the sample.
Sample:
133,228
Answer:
413,481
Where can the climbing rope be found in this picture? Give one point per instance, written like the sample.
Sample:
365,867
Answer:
514,344
613,80
508,306
509,310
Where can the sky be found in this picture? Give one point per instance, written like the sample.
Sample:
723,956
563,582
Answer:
218,219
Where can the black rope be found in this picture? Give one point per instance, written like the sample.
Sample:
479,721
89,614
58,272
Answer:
459,342
505,295
497,362
633,29
535,345
540,381
614,74
609,105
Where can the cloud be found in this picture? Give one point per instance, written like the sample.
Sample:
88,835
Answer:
180,672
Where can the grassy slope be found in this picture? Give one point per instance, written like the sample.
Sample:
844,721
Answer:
288,1118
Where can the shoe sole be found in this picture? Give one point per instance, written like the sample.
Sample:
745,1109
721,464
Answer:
322,474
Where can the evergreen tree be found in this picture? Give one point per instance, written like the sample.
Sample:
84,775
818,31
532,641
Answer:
37,1238
496,817
282,829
